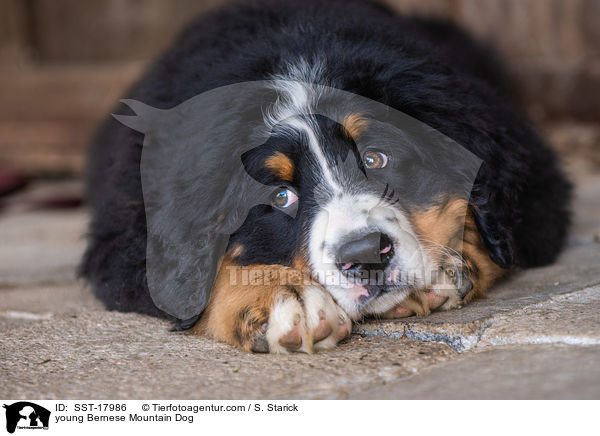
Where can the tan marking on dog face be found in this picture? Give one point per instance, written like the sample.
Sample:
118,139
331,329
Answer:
354,125
441,225
281,166
450,224
483,271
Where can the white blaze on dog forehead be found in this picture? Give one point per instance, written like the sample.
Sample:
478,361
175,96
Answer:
300,92
309,128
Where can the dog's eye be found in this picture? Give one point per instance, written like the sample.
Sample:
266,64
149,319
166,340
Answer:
284,197
375,159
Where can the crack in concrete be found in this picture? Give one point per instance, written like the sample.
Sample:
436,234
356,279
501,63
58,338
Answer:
458,343
466,336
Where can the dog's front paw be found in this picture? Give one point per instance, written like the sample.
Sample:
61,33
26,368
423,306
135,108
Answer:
305,318
278,311
453,284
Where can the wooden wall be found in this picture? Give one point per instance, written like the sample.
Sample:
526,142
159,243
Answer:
63,64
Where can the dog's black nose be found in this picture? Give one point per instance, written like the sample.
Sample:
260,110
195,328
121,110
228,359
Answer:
367,252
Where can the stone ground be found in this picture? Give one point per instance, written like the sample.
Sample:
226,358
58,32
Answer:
536,336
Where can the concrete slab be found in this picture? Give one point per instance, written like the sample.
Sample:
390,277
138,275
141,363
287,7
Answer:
41,246
586,220
23,304
102,355
542,372
564,319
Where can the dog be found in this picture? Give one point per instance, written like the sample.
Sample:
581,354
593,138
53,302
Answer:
380,168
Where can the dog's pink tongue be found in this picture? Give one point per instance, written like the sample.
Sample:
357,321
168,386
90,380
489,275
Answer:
386,249
347,266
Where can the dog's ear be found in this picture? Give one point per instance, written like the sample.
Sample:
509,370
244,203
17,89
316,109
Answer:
196,192
496,237
191,210
189,221
181,270
182,251
145,118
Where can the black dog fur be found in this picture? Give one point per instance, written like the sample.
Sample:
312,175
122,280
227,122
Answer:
427,69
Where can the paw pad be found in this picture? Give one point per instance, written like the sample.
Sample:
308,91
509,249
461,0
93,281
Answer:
323,329
293,339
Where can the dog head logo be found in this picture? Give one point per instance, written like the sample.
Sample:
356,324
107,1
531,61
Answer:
198,188
26,415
